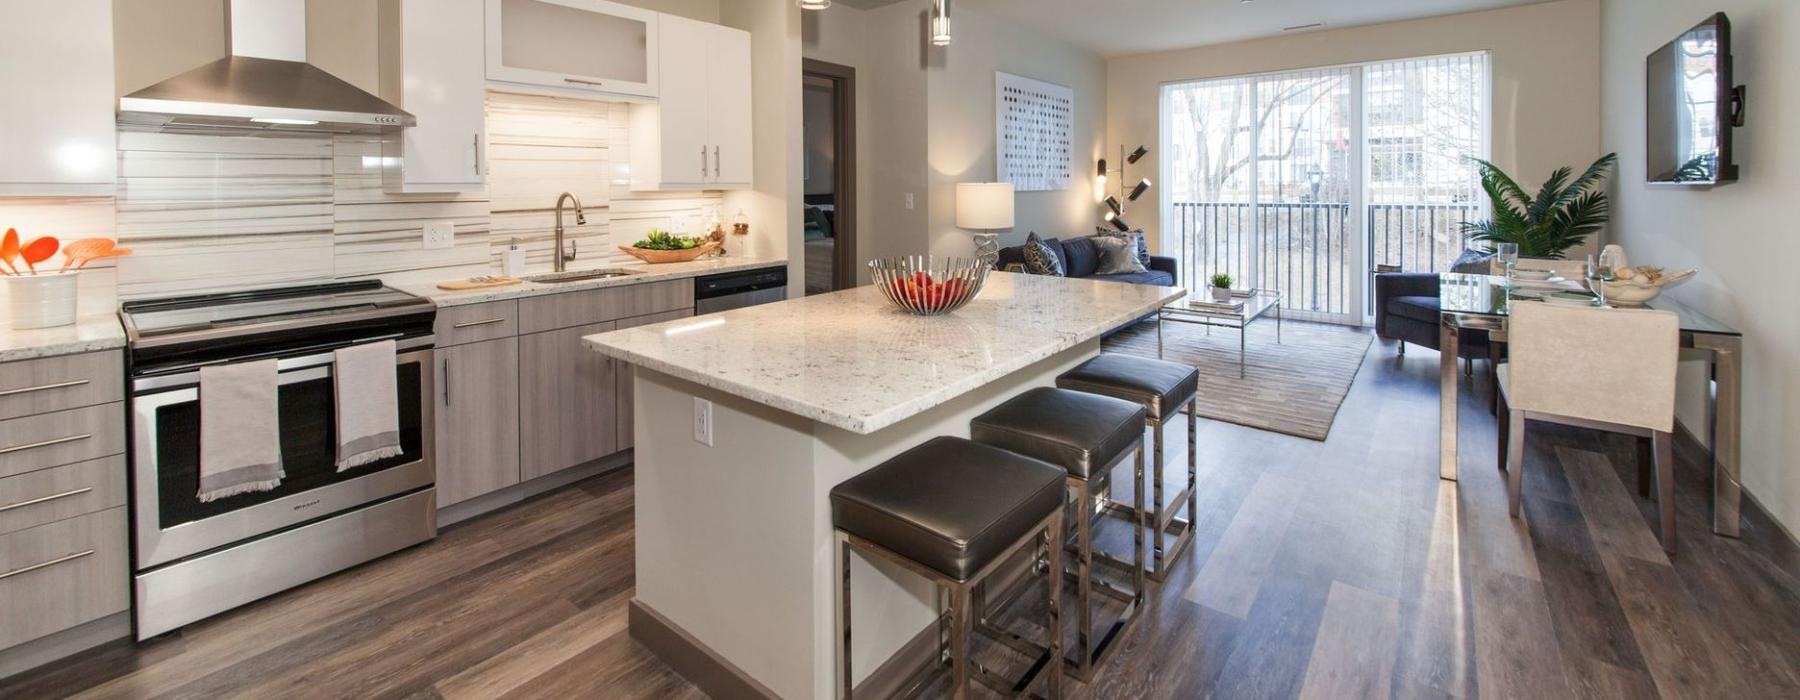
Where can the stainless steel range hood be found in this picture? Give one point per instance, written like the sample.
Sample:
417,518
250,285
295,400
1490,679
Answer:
265,83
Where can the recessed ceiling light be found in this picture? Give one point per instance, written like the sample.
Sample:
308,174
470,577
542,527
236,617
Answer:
813,4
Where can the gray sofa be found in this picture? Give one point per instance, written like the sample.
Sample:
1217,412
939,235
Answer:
1081,258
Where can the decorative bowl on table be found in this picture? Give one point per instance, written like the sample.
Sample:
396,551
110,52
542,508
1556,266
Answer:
920,285
662,247
1636,286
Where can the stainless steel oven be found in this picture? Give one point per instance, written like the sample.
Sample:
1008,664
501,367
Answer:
193,559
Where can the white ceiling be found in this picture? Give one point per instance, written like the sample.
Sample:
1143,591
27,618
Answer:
1116,27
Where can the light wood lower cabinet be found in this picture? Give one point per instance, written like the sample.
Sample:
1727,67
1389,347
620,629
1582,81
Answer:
477,419
567,403
62,574
622,372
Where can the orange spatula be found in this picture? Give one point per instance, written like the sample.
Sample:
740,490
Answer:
37,251
79,253
9,250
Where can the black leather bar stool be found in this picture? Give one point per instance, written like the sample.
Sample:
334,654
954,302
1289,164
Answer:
1162,388
953,511
1087,435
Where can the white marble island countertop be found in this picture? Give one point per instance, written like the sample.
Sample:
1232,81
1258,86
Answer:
852,360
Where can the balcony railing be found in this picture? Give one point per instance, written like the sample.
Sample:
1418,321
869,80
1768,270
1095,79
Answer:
1305,249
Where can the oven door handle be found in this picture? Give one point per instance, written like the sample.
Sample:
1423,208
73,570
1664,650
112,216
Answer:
287,364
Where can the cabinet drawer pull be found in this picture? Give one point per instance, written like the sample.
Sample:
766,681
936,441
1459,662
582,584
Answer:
46,387
579,81
52,562
46,499
478,155
46,443
472,324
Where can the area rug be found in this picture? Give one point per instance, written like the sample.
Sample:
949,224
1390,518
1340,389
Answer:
1294,387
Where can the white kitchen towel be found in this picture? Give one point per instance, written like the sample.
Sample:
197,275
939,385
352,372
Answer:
368,406
240,430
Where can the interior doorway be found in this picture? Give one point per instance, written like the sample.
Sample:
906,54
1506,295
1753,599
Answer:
829,176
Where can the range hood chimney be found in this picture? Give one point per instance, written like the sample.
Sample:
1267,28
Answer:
265,83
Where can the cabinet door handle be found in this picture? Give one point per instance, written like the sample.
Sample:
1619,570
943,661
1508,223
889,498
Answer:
46,443
718,165
472,324
478,154
45,387
52,562
446,381
579,81
702,160
45,499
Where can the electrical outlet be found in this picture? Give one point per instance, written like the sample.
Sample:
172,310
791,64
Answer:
703,422
440,235
909,201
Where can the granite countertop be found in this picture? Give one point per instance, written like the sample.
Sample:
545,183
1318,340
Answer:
852,360
641,273
96,327
92,330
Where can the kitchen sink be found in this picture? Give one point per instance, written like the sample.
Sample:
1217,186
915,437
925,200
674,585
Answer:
576,276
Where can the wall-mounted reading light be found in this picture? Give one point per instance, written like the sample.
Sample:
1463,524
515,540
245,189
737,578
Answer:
1112,203
813,4
1135,155
1118,222
1142,187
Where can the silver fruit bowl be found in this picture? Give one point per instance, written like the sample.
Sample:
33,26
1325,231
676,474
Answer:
922,286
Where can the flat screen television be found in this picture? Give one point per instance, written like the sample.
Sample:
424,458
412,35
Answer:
1692,107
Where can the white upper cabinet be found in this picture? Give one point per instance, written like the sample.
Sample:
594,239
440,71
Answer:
432,65
57,125
576,47
698,133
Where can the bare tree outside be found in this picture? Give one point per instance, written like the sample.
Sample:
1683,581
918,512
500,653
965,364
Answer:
1263,172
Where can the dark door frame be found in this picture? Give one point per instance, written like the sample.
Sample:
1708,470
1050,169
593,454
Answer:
843,111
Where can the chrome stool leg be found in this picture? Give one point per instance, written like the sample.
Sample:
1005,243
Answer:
1089,651
960,618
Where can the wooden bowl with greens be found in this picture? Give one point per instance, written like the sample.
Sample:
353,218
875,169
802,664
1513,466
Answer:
663,247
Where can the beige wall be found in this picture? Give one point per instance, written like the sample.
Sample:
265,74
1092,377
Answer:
961,94
774,204
926,121
840,36
1546,66
157,40
1741,236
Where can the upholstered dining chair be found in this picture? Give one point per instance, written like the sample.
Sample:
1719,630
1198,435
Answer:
1607,369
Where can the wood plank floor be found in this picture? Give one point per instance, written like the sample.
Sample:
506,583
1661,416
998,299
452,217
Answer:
1339,569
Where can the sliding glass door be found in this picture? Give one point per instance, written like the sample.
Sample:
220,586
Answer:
1308,181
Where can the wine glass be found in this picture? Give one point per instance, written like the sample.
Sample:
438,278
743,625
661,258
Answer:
1600,271
1509,257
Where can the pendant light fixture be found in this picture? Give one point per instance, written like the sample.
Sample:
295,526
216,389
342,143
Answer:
940,23
813,4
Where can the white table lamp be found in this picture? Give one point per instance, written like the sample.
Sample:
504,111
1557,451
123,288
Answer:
986,207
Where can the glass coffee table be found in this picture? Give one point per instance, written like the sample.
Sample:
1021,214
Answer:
1197,308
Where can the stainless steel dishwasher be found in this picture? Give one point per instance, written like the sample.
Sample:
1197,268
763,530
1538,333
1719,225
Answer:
734,290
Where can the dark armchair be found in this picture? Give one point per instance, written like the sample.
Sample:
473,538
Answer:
1407,310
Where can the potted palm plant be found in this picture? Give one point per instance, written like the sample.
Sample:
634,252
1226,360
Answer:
1562,215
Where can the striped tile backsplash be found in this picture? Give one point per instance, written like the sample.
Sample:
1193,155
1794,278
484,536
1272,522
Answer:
215,210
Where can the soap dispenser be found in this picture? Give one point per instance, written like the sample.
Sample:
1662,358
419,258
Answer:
513,265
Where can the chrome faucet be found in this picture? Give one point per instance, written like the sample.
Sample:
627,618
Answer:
561,260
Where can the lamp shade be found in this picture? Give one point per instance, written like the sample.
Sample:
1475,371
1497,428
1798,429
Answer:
984,206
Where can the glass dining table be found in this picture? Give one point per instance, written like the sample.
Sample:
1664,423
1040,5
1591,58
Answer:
1482,302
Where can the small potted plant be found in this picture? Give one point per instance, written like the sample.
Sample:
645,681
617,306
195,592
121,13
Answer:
1221,288
43,298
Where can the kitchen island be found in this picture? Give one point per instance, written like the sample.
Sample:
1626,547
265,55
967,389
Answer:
746,419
